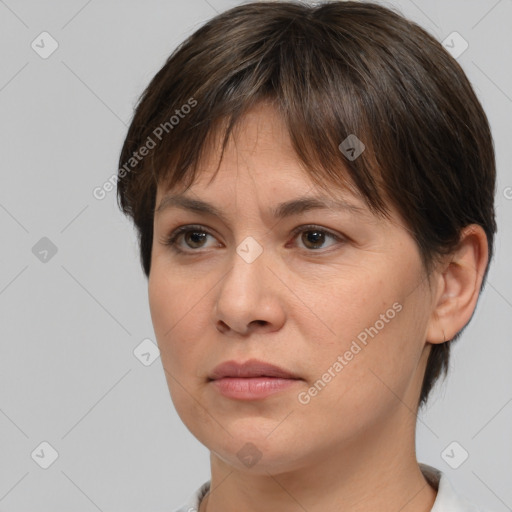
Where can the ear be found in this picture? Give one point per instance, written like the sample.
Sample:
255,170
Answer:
458,285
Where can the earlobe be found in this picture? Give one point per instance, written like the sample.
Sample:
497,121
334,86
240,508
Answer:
459,285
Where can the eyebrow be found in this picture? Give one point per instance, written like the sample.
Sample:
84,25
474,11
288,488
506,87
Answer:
285,209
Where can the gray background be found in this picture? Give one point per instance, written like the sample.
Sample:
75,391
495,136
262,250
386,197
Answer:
70,321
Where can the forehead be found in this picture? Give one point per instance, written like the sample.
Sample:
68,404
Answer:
260,150
260,145
283,209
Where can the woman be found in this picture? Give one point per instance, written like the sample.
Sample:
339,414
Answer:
313,188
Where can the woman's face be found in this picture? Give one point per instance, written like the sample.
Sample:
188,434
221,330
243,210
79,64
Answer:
334,296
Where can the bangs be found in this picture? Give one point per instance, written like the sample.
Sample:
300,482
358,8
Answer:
320,94
325,164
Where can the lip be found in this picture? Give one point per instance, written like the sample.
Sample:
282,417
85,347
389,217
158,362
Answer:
251,380
251,388
248,369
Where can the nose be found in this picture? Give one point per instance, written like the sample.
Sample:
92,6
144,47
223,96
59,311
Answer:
250,298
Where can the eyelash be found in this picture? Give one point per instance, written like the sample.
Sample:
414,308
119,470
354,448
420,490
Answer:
171,240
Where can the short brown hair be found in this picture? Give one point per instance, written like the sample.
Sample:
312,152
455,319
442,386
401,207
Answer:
334,69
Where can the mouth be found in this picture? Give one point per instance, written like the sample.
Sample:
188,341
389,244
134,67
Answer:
250,369
251,380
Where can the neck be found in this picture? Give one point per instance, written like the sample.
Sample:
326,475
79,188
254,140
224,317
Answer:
378,471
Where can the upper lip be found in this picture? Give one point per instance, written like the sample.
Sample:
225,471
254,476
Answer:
251,368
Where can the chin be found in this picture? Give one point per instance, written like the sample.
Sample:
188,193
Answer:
254,451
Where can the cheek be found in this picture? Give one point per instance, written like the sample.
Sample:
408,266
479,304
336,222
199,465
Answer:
173,299
179,313
366,388
175,333
162,304
170,308
358,307
374,343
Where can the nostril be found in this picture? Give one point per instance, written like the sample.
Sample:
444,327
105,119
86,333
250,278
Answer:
222,327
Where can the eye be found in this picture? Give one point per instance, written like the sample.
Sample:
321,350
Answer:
193,236
314,237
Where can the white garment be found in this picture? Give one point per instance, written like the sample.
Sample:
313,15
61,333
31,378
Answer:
447,500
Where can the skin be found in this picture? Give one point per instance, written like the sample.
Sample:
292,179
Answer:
300,305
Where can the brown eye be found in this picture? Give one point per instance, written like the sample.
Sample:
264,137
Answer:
188,239
195,239
313,239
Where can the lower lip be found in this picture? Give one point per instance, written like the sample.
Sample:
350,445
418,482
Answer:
252,388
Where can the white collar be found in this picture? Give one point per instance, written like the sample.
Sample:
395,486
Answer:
447,499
